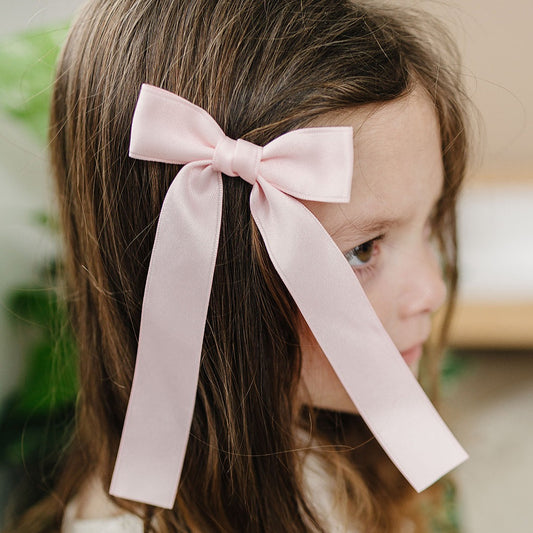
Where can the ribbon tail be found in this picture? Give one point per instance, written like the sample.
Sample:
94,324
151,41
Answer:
156,428
334,305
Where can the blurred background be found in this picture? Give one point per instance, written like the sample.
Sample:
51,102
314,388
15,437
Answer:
488,379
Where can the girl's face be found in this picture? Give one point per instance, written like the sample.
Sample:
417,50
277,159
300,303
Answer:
385,233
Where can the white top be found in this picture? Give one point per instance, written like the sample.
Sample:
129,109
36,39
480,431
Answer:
123,523
319,489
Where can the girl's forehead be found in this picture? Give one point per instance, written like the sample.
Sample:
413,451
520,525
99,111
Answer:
397,152
398,167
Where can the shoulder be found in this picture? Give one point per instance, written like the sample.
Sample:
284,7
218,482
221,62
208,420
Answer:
91,511
323,495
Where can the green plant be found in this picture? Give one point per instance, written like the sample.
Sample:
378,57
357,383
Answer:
26,71
48,389
35,419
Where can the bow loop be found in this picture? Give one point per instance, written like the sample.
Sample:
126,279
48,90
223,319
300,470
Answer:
310,163
237,158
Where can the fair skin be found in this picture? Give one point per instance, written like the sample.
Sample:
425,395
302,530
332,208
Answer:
385,233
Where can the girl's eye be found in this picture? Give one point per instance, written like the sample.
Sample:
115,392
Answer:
362,254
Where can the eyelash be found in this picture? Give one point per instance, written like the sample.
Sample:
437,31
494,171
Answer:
363,268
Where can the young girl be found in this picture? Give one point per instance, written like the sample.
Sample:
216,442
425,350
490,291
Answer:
278,377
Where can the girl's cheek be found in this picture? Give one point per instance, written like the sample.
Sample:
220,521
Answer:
378,287
383,283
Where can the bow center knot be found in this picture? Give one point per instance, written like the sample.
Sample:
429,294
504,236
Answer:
237,158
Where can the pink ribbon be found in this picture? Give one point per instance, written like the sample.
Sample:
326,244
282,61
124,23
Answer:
312,164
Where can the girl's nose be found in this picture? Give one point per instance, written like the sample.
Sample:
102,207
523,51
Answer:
425,290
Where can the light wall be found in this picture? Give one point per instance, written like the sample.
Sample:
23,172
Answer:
496,42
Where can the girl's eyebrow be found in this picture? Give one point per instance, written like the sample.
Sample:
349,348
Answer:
376,225
373,225
369,226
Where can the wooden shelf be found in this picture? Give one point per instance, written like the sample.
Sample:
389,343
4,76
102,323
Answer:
492,325
495,300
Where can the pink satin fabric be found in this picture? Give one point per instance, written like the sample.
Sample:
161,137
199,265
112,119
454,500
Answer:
312,164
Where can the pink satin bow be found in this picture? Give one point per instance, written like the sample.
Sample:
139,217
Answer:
313,164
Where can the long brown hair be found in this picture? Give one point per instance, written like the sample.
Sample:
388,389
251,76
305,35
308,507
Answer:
260,68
